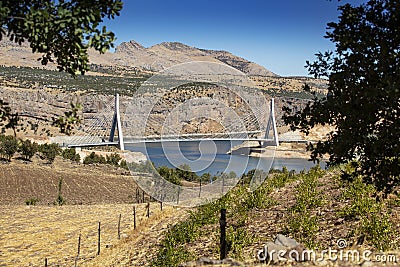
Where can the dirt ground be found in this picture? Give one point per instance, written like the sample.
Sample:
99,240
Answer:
94,184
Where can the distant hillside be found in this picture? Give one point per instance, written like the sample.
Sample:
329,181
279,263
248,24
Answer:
134,55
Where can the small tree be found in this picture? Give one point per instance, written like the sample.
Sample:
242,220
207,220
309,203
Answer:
70,153
8,146
28,149
113,159
8,120
60,199
49,152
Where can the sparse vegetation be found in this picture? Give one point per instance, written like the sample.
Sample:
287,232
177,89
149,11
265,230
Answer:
239,202
93,158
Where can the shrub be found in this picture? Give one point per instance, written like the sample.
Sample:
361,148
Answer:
49,151
170,175
28,149
302,223
94,158
70,153
237,240
113,159
378,229
124,164
359,198
60,199
31,201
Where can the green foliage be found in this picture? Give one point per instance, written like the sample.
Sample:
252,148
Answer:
304,226
146,166
62,31
238,202
49,151
60,199
360,200
27,77
28,149
308,195
378,229
8,120
70,153
8,146
113,159
363,93
237,240
362,205
123,164
70,119
94,158
302,223
184,172
169,174
31,201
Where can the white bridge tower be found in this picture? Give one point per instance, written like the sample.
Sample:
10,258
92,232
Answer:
117,124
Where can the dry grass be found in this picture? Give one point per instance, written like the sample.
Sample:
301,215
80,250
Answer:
30,234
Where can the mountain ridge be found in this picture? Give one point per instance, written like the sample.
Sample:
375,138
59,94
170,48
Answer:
176,52
133,54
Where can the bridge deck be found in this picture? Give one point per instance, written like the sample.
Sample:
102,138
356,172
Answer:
128,142
131,142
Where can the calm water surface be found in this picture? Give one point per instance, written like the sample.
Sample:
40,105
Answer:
212,157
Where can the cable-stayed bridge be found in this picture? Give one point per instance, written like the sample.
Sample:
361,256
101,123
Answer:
101,130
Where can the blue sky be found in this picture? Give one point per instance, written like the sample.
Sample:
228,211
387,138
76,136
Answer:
279,35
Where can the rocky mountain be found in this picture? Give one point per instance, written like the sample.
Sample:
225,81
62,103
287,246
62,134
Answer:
167,54
134,55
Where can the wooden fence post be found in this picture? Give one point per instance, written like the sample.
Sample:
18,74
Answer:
79,250
45,262
200,188
134,217
179,192
98,240
148,209
222,240
119,226
161,205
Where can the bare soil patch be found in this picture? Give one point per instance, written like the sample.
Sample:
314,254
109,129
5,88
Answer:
102,184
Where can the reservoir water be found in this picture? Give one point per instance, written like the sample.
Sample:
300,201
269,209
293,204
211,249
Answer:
211,157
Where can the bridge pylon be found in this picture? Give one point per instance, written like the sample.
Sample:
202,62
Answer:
271,125
117,124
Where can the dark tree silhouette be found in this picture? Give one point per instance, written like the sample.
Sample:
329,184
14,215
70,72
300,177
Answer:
62,31
363,99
